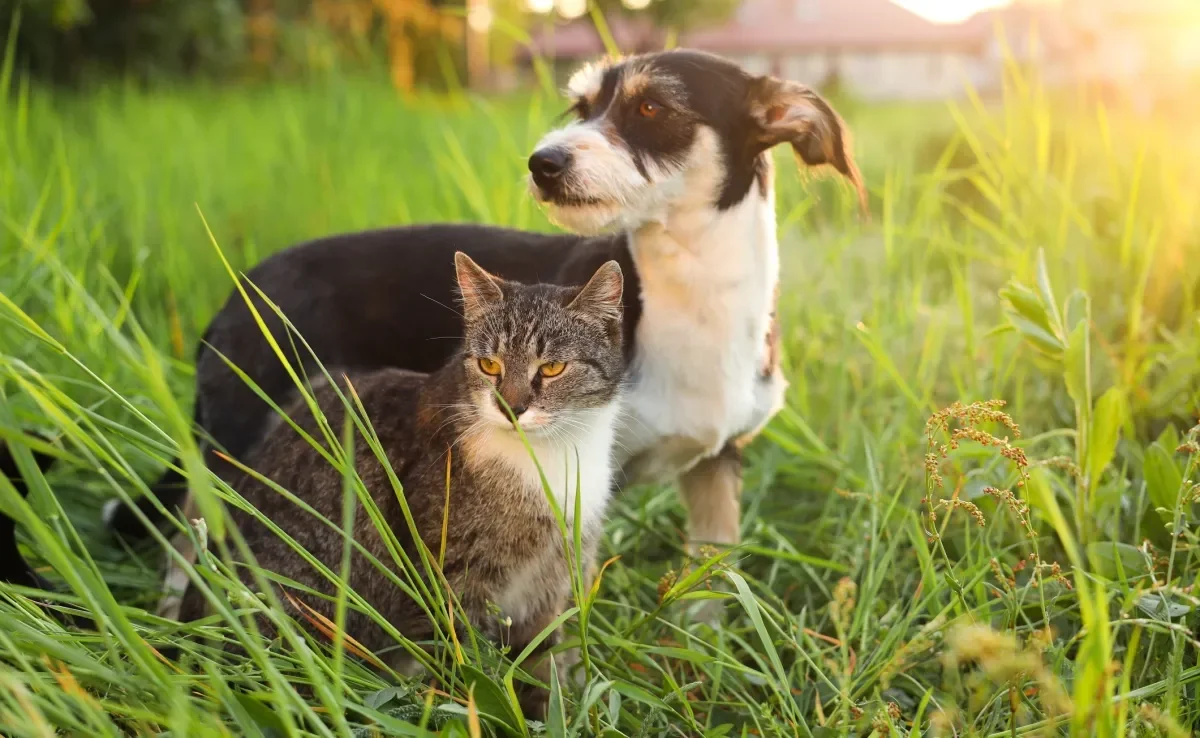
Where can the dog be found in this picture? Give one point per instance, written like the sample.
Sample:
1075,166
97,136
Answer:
665,168
13,567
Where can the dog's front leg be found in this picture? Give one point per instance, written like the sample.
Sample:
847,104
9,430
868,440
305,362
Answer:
712,494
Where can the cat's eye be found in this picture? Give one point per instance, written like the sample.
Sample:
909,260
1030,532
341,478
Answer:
552,368
490,367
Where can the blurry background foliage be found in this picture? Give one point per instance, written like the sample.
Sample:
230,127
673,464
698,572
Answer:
74,41
419,42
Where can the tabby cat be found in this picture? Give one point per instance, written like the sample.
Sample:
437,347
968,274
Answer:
554,356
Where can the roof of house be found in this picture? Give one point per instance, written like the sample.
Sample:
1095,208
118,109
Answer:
774,25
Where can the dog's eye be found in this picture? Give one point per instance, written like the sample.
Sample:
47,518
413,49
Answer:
490,367
552,368
649,109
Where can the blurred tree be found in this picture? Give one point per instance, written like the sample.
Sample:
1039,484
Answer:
407,21
262,29
68,40
405,28
72,40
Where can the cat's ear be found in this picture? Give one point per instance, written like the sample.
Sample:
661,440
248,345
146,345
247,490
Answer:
478,288
601,296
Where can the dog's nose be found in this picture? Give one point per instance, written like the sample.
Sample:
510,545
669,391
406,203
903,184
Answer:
547,165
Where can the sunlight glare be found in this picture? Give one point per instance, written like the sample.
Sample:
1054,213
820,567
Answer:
572,8
480,18
949,11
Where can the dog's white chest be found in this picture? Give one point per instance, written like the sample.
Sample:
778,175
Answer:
701,344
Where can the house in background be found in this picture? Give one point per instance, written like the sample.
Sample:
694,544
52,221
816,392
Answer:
874,49
1137,53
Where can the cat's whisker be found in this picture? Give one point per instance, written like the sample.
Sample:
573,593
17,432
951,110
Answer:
436,302
625,416
565,424
451,421
474,429
457,412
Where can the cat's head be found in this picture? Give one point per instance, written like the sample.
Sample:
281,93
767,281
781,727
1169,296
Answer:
552,353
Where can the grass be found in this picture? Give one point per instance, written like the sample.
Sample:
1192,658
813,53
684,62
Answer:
911,566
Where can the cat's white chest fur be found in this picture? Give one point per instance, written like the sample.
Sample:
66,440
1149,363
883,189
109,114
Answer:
578,464
707,288
578,459
582,463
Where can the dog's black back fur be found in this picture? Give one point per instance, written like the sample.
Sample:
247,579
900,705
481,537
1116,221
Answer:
380,298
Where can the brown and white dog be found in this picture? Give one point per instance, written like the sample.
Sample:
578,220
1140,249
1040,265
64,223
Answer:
665,169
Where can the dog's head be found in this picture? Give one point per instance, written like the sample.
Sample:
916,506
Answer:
658,130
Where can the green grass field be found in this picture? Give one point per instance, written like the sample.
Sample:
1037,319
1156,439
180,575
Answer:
1033,251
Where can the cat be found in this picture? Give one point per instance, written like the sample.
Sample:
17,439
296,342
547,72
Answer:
555,356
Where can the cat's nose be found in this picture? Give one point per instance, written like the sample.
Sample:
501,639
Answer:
516,406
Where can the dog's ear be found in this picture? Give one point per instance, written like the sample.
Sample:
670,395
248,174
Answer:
478,288
785,111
